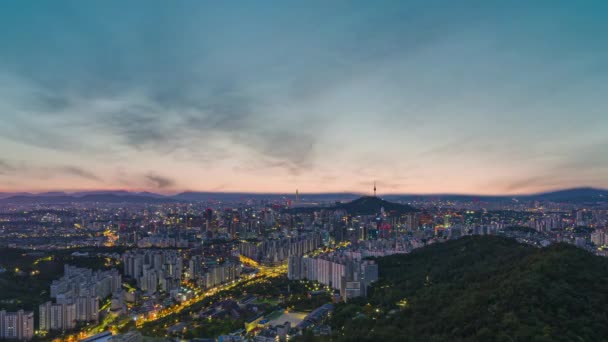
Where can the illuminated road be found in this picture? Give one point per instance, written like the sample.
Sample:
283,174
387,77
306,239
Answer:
263,273
270,271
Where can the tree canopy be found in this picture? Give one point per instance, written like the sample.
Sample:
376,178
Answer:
482,289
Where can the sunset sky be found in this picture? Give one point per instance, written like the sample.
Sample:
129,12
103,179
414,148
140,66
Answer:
482,97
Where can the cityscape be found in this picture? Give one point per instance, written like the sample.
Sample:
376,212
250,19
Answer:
264,268
286,171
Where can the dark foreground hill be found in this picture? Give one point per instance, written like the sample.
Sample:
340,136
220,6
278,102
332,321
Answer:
482,289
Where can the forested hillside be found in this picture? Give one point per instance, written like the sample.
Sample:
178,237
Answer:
482,289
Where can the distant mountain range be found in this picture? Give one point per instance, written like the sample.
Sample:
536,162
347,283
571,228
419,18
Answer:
87,198
577,195
232,196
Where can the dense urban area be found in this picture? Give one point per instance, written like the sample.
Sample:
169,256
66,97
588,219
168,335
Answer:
126,266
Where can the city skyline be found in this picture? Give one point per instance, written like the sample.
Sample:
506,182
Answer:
488,98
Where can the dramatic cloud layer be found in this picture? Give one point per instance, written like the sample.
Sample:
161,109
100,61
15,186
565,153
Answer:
423,96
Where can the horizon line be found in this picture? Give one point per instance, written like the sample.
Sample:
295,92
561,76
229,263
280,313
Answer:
172,194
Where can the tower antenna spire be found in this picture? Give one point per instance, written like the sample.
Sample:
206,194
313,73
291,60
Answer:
374,188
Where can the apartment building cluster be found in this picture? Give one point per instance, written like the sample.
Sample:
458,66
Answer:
154,270
351,276
16,325
161,242
77,296
599,237
378,248
275,251
210,274
547,223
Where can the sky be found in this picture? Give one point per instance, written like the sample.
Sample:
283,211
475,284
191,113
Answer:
484,97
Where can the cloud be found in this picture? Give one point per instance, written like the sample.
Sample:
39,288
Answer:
378,88
381,186
142,128
574,165
159,181
525,185
45,172
591,155
219,188
78,172
6,167
233,121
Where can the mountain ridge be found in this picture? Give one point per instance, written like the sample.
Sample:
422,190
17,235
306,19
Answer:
370,205
571,195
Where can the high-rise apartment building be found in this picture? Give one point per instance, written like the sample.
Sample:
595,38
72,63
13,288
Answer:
17,325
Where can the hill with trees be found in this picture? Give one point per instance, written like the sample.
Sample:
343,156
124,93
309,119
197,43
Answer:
362,206
482,289
370,205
